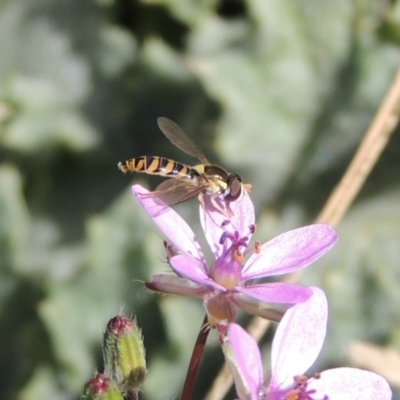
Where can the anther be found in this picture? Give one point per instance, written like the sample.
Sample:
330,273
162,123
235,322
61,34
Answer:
224,236
225,223
257,247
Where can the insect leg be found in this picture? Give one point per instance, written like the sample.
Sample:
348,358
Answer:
227,212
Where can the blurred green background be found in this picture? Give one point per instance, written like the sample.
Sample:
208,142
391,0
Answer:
279,91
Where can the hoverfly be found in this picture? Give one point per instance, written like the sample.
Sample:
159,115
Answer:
187,181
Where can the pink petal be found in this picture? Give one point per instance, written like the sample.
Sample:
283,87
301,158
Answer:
244,359
298,339
194,270
174,228
277,292
350,384
173,284
215,223
290,251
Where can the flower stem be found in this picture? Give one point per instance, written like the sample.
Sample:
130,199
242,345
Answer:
195,360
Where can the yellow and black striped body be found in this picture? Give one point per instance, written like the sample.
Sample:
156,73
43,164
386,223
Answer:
162,166
187,181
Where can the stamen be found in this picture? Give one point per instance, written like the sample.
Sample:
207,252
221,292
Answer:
225,223
223,238
300,380
298,391
257,247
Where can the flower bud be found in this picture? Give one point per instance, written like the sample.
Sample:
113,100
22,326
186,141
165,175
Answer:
124,354
101,388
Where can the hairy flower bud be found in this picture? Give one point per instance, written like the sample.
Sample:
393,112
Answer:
101,388
124,354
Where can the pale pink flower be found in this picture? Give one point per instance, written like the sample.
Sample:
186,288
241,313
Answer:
296,344
232,281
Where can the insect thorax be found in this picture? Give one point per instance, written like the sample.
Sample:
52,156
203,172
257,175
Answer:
217,178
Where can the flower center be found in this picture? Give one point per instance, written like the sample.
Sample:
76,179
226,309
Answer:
227,269
299,391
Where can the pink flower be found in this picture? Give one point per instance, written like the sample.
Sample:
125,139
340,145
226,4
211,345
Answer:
231,281
297,343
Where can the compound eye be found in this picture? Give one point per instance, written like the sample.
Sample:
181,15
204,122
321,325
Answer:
235,189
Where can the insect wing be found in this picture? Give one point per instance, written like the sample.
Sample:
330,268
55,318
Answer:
180,139
174,191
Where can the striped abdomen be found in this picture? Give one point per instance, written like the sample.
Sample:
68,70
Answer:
155,165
